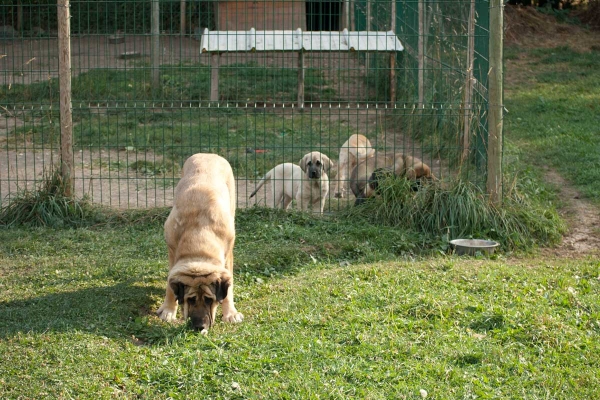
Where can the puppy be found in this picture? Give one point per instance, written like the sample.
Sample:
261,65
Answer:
200,234
285,182
364,178
313,191
356,149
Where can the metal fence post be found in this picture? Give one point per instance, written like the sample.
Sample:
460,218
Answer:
66,116
495,103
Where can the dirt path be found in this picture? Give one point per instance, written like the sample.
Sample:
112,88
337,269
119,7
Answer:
583,219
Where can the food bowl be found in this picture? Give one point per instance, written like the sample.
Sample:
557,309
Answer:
472,246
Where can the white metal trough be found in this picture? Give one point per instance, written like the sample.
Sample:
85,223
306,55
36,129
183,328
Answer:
217,42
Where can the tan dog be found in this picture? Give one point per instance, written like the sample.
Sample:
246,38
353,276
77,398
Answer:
356,149
200,233
364,178
313,191
285,182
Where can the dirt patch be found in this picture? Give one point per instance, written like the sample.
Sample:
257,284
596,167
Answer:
583,219
527,27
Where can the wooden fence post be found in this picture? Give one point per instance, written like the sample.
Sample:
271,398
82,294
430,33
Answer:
66,112
468,107
214,76
421,53
393,58
495,106
301,79
155,37
182,17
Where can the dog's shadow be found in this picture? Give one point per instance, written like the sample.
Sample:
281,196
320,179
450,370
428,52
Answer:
117,311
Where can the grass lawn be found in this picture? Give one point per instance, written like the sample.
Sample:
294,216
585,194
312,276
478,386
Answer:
323,319
554,112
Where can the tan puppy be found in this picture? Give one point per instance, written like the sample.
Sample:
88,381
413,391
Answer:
285,182
200,233
356,149
364,178
313,191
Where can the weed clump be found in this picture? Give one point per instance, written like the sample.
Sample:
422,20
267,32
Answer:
459,209
48,205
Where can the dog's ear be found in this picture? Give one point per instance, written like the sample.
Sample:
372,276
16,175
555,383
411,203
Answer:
221,288
302,164
419,170
179,290
327,163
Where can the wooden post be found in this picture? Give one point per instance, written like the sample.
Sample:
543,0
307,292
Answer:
393,78
301,79
155,34
346,14
368,21
495,103
393,58
468,109
182,17
66,112
421,53
214,77
19,26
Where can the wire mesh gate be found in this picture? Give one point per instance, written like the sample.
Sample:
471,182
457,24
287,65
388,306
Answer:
140,109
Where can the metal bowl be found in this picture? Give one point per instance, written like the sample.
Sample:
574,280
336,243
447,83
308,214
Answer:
472,246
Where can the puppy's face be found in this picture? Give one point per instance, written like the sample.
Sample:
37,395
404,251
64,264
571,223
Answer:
199,302
314,164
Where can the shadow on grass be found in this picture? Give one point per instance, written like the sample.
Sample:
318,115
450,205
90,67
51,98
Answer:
118,311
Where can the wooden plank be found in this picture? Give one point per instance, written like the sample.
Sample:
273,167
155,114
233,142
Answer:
66,111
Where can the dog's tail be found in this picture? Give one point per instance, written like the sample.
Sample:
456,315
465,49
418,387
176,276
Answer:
260,184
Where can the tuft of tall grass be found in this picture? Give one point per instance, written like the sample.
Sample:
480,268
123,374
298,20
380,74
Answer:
47,205
459,209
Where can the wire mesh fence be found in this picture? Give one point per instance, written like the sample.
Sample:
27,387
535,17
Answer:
145,95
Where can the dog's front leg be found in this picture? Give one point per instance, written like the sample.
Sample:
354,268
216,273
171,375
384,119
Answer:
230,314
168,310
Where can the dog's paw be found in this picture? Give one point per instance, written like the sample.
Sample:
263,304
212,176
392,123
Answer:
166,313
233,317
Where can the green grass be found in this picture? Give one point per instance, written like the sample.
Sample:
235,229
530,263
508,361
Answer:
78,319
556,115
189,83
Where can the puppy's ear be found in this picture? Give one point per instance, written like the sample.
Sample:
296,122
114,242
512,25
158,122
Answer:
221,288
179,290
327,163
418,170
302,164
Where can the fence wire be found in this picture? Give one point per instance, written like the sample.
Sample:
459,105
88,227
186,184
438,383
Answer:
140,110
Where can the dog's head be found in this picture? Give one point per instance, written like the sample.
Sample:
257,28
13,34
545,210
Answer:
417,172
372,184
314,164
199,295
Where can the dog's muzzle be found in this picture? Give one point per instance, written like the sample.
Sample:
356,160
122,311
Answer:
314,173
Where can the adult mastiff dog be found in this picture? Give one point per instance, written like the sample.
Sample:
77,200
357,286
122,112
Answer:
200,233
